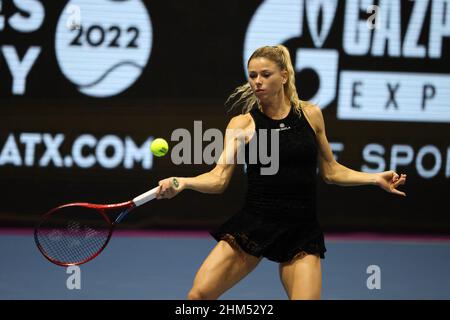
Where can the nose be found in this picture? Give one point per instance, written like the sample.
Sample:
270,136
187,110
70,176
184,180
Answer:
258,80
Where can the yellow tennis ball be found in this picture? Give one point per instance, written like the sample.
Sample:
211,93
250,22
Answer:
159,147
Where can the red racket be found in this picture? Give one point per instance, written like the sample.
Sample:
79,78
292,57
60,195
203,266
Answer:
75,233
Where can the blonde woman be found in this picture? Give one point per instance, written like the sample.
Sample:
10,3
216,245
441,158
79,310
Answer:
278,220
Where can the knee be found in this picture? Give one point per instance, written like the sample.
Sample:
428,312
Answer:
197,294
312,295
305,297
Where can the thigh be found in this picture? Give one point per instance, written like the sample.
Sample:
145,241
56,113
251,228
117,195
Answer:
302,277
224,267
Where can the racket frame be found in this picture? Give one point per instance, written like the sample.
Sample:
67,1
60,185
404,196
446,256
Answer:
127,207
100,209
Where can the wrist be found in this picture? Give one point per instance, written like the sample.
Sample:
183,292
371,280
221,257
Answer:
374,179
183,183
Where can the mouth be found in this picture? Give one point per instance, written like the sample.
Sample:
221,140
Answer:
259,90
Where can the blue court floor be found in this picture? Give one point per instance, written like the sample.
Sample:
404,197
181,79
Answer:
163,267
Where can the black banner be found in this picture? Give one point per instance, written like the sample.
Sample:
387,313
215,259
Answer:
86,85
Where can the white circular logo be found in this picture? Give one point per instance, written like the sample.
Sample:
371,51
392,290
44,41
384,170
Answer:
102,46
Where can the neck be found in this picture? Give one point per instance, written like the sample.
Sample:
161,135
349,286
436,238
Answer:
276,108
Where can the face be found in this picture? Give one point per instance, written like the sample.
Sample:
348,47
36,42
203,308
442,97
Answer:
266,78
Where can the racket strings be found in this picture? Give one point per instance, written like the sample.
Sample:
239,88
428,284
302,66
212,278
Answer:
71,247
73,236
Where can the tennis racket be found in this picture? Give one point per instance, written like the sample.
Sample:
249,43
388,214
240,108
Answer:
75,233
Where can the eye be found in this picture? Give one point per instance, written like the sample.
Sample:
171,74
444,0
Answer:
252,75
266,74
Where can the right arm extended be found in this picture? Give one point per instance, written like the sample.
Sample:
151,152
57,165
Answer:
216,180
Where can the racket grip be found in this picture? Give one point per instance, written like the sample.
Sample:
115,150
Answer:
145,197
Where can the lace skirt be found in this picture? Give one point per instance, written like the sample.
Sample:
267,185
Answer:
279,239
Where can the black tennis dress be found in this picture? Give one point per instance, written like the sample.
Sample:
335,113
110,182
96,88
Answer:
278,220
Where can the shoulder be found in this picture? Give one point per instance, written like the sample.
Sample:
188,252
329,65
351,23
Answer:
241,126
314,115
242,121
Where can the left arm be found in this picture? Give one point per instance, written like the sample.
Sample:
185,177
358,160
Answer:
333,172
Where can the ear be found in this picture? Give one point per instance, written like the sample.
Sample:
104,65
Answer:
284,75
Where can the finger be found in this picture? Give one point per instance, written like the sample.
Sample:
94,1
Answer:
162,190
401,181
168,193
396,177
400,193
158,192
171,192
164,187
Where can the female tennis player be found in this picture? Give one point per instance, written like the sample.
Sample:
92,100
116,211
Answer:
278,220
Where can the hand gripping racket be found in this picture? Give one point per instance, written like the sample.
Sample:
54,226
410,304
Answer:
75,233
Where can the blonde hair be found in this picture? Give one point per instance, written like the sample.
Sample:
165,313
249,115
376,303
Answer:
243,95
